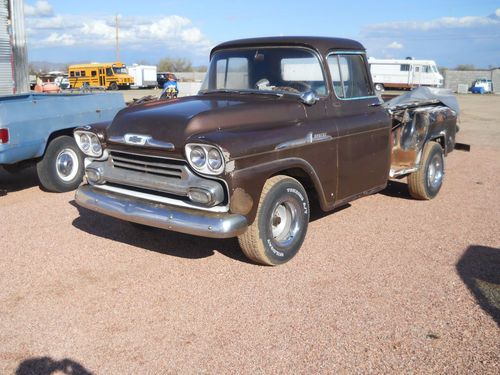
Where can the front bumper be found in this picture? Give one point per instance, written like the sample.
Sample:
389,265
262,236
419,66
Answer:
159,215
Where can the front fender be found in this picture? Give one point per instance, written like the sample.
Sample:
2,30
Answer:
245,185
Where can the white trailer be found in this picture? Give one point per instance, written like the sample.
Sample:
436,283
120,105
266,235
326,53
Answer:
144,75
404,74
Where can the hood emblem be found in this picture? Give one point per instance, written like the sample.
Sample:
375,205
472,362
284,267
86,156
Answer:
142,140
136,139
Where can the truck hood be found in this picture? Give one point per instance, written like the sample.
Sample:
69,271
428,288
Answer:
175,121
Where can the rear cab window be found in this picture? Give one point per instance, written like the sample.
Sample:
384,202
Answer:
349,74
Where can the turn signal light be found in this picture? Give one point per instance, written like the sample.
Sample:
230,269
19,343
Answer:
4,136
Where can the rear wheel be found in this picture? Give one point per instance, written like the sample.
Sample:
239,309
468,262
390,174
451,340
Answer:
427,181
61,168
281,222
379,87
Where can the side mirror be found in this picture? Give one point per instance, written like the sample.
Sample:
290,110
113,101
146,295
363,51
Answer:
309,97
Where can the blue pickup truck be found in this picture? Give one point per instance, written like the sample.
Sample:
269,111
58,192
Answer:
38,129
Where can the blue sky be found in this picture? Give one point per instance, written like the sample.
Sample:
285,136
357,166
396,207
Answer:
450,32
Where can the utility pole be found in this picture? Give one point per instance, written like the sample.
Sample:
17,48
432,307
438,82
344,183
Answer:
117,39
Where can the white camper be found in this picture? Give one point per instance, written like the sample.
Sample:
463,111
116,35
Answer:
144,75
404,74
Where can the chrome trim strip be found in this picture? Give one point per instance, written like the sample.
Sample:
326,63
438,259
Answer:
187,221
308,139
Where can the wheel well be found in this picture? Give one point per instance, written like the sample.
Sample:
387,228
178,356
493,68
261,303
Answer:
441,142
305,180
57,134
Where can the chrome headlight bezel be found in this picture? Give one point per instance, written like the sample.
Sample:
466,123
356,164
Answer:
88,142
206,167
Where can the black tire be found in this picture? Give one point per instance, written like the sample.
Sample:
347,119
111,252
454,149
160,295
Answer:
61,168
281,223
379,87
425,183
113,86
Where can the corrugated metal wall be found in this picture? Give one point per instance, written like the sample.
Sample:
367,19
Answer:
6,78
19,48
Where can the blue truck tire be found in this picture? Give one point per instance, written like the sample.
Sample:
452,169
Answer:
61,168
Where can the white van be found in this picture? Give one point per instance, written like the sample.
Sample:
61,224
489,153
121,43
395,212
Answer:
144,75
404,74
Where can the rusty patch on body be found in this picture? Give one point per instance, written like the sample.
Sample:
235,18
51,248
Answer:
241,202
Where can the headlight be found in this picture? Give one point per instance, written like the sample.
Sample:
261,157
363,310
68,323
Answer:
205,158
214,159
197,157
89,143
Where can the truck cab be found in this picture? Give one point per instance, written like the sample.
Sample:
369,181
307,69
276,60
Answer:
278,122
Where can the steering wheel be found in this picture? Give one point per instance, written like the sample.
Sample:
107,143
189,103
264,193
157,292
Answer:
300,86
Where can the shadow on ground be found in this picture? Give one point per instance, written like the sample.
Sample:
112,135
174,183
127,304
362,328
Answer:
153,239
48,366
397,189
479,268
11,182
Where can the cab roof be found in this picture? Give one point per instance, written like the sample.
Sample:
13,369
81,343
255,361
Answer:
320,44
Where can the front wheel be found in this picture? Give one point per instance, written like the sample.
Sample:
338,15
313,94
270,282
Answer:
379,87
427,181
61,168
113,86
280,226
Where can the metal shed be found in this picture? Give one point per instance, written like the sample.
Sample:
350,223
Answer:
13,50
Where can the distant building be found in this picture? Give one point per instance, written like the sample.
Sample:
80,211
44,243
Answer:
13,51
453,78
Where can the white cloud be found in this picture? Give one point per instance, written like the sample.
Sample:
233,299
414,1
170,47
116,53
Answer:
395,45
449,40
56,39
440,23
135,33
41,8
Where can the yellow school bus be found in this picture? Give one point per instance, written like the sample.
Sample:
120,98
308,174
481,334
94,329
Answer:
112,76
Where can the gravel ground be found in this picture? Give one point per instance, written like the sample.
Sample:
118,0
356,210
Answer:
385,285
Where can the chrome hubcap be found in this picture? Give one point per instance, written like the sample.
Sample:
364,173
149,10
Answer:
435,172
67,164
284,223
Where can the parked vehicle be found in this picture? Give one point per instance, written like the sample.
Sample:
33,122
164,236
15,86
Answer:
112,76
279,122
38,129
482,86
162,77
144,75
404,74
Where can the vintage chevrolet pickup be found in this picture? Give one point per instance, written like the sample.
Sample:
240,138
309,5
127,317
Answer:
278,122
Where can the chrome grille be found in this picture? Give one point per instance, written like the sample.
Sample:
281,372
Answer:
148,164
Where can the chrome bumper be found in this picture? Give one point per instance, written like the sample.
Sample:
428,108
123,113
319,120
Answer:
189,221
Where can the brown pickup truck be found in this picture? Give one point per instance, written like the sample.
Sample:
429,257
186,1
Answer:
278,122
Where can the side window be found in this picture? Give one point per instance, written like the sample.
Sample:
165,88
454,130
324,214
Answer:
405,67
93,73
333,64
349,76
77,73
72,74
232,73
109,71
82,73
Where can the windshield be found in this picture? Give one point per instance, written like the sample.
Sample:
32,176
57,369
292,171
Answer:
120,70
261,70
